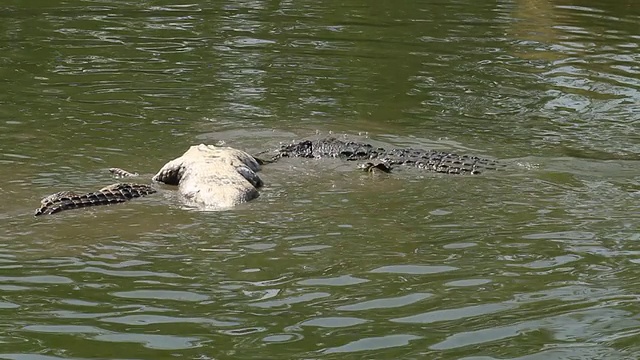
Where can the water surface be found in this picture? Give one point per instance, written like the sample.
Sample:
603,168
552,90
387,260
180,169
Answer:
534,262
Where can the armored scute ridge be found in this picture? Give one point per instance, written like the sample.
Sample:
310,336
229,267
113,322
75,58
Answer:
431,160
111,194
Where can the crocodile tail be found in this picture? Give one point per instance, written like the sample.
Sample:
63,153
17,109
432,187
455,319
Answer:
117,172
111,194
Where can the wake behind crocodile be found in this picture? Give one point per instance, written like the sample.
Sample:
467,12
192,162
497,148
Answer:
211,177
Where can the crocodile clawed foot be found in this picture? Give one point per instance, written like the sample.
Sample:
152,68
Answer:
264,161
376,168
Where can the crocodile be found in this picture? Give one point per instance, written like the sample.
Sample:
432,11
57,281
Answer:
208,177
430,160
215,178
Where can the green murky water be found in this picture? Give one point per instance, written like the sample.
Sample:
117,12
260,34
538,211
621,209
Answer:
540,261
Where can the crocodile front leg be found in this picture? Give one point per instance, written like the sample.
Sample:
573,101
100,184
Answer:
375,168
171,173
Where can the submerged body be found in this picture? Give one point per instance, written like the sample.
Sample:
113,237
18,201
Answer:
431,160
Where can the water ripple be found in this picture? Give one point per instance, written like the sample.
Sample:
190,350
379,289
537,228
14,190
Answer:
413,269
37,279
288,301
345,280
373,343
157,319
126,273
386,303
333,322
454,314
151,341
162,295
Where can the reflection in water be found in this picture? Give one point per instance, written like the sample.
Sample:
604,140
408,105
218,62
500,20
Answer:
533,262
589,64
534,26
